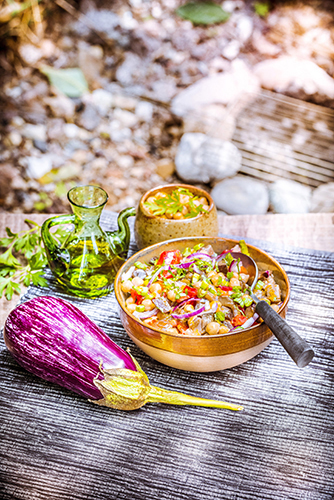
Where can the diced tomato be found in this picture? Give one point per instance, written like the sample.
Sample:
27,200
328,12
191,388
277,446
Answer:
136,297
239,320
190,291
182,328
169,257
167,275
225,288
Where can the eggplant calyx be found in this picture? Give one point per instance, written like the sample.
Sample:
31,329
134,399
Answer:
125,389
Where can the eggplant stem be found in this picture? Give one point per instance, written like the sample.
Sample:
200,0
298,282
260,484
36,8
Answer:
158,395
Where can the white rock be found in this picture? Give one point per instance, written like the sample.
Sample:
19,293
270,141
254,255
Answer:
124,102
121,134
231,50
241,195
223,88
61,106
15,138
30,54
323,198
244,28
72,131
126,118
125,161
263,46
295,76
102,100
127,21
37,167
131,70
201,158
290,197
48,48
34,132
144,111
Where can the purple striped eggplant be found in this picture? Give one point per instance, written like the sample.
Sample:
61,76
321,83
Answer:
54,340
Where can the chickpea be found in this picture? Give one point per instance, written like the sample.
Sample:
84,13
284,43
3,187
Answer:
178,216
206,207
171,295
234,281
169,214
184,199
137,281
148,304
131,308
126,286
203,201
223,329
211,274
150,199
155,288
188,308
196,203
212,328
129,301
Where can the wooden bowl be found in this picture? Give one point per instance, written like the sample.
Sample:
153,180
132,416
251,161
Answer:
151,229
205,353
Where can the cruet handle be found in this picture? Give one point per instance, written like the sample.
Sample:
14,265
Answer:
119,240
49,241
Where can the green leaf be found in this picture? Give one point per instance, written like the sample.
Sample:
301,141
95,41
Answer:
8,259
202,13
3,284
243,247
9,291
38,279
70,81
4,242
10,233
262,8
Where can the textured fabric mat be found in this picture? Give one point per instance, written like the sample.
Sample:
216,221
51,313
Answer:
56,445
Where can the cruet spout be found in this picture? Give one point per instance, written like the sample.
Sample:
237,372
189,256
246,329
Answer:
119,240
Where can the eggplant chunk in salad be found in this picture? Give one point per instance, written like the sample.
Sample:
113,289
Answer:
196,292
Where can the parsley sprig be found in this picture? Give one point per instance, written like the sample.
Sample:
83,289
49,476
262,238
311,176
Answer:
170,203
23,260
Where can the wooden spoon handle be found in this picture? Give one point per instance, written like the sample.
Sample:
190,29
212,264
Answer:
297,348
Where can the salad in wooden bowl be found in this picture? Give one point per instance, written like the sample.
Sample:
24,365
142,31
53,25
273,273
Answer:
186,302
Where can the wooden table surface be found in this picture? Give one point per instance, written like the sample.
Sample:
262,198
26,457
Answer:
314,231
57,445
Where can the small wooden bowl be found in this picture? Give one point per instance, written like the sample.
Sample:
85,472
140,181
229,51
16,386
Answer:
151,229
205,353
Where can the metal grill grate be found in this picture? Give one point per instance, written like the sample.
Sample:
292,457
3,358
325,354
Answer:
281,137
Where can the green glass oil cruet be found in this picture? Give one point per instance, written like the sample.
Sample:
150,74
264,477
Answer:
87,259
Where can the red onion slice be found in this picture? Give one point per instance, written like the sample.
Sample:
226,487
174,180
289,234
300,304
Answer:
156,274
213,309
145,314
185,301
222,255
250,322
203,256
196,312
184,265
